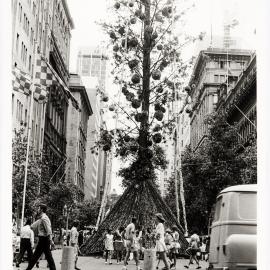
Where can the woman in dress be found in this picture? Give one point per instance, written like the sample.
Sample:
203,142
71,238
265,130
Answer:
108,246
160,240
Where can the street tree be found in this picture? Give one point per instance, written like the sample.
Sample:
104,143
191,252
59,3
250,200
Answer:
19,146
220,161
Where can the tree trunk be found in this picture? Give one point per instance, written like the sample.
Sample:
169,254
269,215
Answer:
144,127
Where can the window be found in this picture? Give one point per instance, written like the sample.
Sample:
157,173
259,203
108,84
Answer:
221,64
222,78
21,50
20,14
247,203
25,116
17,42
216,78
217,209
29,63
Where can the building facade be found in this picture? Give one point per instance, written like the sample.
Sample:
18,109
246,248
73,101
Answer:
239,104
42,28
77,134
212,68
91,65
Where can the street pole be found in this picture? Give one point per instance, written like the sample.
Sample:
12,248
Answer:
27,151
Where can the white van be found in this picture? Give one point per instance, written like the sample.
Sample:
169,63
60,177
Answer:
233,242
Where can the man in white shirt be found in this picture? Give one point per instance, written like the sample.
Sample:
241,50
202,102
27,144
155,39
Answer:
129,239
27,242
74,234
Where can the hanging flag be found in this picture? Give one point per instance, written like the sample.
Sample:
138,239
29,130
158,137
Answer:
47,76
22,83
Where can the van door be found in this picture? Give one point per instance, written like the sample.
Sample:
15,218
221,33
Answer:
215,233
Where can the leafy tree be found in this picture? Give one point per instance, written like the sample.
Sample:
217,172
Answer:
215,165
149,69
86,212
19,146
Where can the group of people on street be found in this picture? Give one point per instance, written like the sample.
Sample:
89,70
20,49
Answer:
43,229
132,241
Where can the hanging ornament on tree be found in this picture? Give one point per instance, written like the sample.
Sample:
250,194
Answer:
136,103
158,115
131,4
112,35
115,48
133,63
133,42
121,31
111,108
136,78
117,5
157,138
187,89
160,89
105,99
159,47
156,74
133,20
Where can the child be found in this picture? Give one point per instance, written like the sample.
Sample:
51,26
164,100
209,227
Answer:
137,246
118,244
108,246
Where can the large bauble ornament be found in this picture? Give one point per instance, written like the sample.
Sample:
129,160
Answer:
133,20
138,117
126,138
130,96
160,89
157,128
142,16
137,13
111,108
149,143
112,35
156,74
154,35
115,48
158,115
121,30
188,109
136,78
136,103
131,4
133,42
133,63
163,109
159,47
105,99
157,138
157,107
165,12
117,5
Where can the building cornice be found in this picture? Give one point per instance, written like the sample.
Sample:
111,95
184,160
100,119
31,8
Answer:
70,20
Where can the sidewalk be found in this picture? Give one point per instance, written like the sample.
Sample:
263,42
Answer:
92,263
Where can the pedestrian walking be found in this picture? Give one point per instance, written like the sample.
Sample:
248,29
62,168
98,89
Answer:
160,240
44,229
118,244
80,241
74,235
203,250
108,246
194,248
175,245
27,242
129,241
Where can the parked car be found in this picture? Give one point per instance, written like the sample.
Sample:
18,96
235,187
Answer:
233,242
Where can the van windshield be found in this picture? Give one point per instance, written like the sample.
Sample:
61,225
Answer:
247,206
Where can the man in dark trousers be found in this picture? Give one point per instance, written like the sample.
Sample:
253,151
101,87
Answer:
27,242
44,231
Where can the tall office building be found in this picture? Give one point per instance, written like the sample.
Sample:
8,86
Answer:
91,65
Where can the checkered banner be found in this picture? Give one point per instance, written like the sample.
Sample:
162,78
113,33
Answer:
46,76
22,83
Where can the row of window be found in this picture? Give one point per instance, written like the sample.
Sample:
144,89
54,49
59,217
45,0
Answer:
23,55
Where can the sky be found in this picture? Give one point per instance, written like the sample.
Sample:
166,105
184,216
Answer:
206,15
